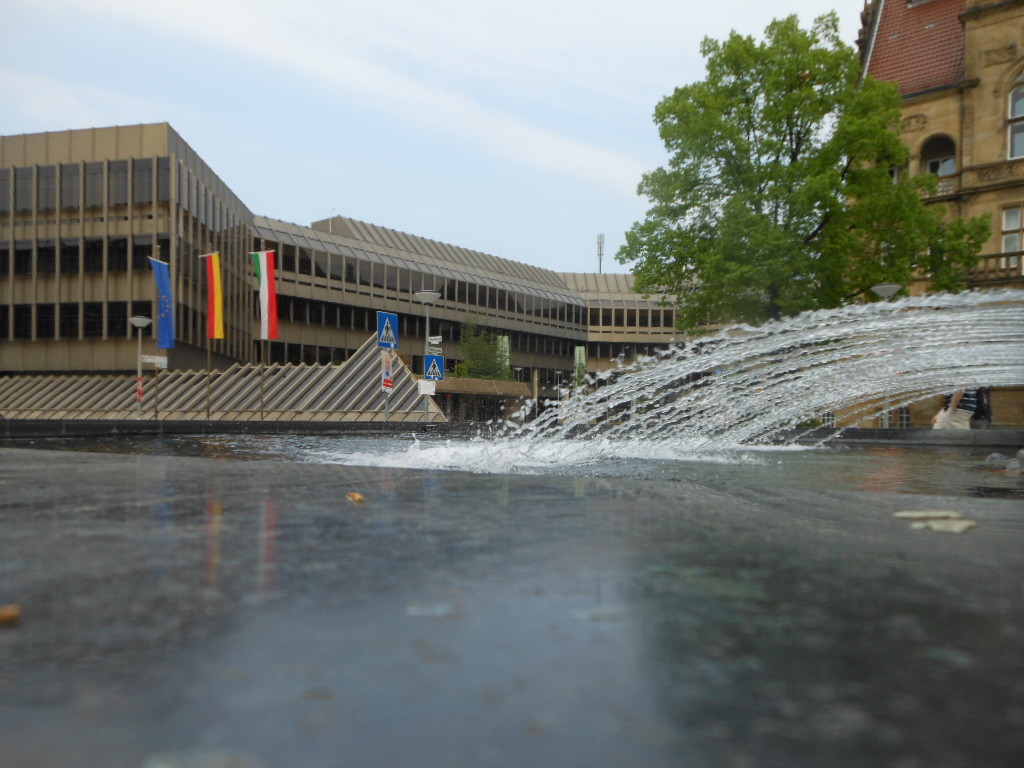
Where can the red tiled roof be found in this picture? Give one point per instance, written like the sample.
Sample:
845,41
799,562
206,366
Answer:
919,47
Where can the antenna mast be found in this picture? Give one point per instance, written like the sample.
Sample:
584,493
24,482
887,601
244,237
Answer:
600,252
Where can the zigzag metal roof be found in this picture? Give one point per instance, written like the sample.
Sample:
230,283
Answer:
347,392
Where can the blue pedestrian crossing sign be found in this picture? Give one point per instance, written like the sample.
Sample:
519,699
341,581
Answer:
387,330
435,368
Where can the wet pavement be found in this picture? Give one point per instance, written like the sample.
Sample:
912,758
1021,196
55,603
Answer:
182,611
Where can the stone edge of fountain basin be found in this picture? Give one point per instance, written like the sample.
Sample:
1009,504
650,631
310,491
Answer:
998,437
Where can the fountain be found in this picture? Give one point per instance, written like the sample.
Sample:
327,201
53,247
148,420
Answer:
746,384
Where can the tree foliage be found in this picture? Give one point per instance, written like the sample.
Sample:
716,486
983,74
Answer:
778,195
482,355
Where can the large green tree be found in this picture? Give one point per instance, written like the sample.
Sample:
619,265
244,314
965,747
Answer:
482,355
778,195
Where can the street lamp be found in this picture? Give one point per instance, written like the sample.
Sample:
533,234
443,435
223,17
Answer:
426,298
140,323
886,290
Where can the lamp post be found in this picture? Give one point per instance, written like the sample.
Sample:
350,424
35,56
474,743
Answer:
886,290
426,298
140,323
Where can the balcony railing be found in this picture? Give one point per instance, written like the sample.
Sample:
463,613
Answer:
1004,266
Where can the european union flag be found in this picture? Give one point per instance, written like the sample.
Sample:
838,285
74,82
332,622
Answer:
165,305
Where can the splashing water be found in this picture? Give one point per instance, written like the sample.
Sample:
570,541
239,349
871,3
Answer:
722,396
746,384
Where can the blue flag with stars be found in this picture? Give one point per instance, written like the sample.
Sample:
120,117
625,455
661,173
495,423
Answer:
164,304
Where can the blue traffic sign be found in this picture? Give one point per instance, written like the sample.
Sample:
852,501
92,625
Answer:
434,368
387,330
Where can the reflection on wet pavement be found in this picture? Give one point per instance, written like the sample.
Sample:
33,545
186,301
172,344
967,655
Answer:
184,611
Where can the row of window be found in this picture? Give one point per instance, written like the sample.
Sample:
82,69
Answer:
89,320
77,255
113,183
332,315
631,318
364,274
88,185
938,154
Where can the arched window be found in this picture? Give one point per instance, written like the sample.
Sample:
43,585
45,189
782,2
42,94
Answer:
938,156
1016,119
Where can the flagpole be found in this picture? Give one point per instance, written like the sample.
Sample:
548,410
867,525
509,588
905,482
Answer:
208,381
209,339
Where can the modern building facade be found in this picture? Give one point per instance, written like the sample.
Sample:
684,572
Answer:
83,211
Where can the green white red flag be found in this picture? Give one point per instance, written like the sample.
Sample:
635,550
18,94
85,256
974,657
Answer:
266,275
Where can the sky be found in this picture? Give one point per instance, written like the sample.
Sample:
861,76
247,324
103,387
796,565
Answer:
519,129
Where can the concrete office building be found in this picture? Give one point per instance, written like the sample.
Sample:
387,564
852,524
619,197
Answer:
82,211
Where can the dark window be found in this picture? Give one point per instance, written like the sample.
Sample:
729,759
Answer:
46,257
288,258
939,156
117,319
45,315
47,181
22,189
305,263
142,249
23,257
94,185
69,256
69,321
163,179
4,322
93,254
5,190
142,181
23,321
92,314
142,309
182,186
117,254
70,178
5,262
117,179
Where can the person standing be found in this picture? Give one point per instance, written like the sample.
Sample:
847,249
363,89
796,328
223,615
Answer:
957,411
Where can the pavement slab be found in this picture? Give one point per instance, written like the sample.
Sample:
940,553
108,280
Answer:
187,611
